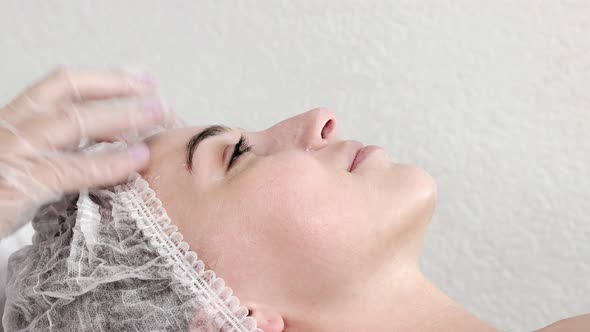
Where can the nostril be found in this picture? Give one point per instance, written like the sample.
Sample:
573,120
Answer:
328,127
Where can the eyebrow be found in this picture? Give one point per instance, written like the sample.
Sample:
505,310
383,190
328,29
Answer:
195,140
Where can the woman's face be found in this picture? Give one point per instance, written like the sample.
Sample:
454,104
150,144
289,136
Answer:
286,224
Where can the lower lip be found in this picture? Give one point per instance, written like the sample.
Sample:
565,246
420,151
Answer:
363,154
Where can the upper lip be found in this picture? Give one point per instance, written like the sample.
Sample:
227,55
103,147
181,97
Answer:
357,146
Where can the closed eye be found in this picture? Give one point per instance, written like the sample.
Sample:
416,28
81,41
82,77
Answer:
240,148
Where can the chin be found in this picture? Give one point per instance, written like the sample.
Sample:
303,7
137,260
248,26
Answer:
413,198
417,180
426,184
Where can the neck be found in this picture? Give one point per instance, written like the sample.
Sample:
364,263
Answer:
405,301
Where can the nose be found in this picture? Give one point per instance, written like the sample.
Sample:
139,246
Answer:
311,130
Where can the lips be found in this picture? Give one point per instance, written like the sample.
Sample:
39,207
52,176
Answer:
356,147
362,154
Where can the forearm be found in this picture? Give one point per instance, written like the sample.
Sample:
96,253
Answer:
573,324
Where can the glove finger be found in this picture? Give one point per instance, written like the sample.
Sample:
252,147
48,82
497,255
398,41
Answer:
65,85
77,123
171,121
78,172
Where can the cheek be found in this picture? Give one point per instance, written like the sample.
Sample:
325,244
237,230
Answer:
305,211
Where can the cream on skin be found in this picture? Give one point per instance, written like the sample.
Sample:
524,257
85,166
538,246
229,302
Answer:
305,244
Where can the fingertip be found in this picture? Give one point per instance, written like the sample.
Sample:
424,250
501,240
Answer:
146,79
142,83
139,155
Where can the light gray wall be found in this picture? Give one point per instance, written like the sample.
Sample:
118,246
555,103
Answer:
492,98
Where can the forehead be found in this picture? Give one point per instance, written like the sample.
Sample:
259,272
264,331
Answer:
173,135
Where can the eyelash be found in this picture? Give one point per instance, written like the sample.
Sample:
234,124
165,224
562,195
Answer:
240,148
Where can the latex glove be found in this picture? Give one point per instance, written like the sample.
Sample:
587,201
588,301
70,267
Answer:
43,130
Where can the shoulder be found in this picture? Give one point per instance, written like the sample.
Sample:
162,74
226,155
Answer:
573,324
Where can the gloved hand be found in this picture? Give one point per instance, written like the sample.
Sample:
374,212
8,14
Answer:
43,129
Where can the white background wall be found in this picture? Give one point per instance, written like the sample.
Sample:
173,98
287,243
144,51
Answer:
492,98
